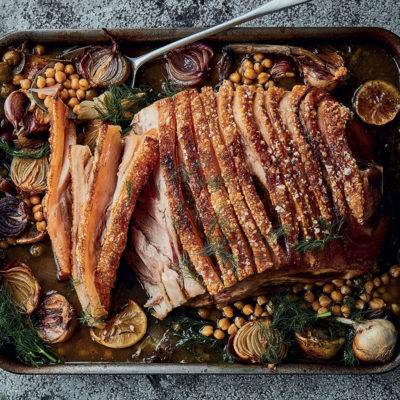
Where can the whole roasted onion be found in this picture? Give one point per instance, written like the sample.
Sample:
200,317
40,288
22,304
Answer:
281,67
55,319
15,106
21,284
187,65
251,342
14,215
104,65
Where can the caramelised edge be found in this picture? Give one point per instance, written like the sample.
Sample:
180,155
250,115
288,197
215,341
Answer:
309,120
135,177
102,183
289,111
332,120
274,182
262,257
198,186
190,237
232,139
219,197
58,203
291,167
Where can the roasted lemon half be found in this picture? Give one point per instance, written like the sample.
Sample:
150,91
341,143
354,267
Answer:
377,102
123,330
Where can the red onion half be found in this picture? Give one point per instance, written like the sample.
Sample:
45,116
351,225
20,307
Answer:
14,215
187,65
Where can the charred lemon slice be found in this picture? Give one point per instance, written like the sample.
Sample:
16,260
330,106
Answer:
123,330
377,102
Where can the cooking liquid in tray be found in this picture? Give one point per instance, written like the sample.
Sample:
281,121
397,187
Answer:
365,62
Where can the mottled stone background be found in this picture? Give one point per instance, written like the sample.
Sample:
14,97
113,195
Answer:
25,14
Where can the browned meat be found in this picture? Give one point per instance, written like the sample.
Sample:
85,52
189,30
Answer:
59,199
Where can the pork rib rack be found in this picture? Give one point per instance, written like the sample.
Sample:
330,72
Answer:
253,188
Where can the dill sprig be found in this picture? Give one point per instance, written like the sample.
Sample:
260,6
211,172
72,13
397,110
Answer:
13,152
331,232
17,331
186,270
168,89
349,358
274,339
87,318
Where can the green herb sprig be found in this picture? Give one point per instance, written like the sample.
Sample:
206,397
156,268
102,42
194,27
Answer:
13,152
17,331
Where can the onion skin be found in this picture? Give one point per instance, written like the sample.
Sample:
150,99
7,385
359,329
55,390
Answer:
56,320
187,65
22,285
14,216
104,65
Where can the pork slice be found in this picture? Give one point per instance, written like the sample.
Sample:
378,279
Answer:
59,197
96,212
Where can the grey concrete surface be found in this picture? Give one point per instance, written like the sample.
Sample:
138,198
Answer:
34,14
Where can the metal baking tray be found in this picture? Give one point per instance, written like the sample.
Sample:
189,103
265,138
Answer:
301,36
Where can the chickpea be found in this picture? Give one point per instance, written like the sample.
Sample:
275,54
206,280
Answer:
258,57
39,49
319,284
59,66
262,300
41,82
80,94
50,72
47,101
266,63
345,290
258,67
64,94
263,78
365,297
395,309
224,323
335,310
50,81
228,311
232,329
375,294
359,304
77,109
34,200
395,271
381,289
239,321
37,207
25,84
247,81
17,79
328,288
338,282
290,74
258,310
74,76
27,202
269,307
250,74
207,330
369,286
72,92
218,334
345,311
247,64
83,84
72,102
322,310
297,288
203,313
309,296
67,84
376,304
265,314
42,96
12,241
308,286
91,94
349,282
41,226
38,216
75,84
385,278
3,244
377,282
315,305
69,69
324,301
238,305
336,296
60,76
248,309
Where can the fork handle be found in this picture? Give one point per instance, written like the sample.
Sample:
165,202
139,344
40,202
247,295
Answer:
267,8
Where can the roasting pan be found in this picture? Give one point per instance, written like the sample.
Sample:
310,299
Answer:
298,36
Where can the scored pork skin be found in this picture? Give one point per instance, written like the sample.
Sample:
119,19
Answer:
59,198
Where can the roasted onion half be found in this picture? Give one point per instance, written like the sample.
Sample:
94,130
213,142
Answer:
19,281
250,343
187,65
56,320
14,216
104,65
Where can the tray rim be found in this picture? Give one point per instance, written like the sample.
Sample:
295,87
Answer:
379,35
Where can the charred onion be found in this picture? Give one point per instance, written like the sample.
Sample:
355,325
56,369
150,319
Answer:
14,215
